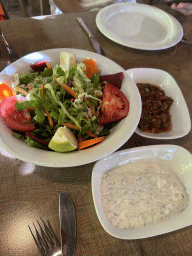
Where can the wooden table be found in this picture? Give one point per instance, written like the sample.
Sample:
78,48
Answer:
29,191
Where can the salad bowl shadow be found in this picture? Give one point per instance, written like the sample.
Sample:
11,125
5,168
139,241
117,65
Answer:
119,134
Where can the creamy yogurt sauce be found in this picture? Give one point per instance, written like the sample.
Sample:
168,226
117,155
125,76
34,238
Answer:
137,195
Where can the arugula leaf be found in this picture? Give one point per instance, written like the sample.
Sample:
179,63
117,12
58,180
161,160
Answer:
28,78
85,128
39,117
47,72
93,102
96,80
17,135
28,104
104,132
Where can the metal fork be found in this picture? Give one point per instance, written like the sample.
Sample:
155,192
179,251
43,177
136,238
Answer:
12,56
45,239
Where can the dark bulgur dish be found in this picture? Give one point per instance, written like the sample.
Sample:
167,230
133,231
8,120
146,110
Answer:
155,116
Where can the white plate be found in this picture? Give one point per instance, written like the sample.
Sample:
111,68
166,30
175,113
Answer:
180,118
119,134
174,157
139,26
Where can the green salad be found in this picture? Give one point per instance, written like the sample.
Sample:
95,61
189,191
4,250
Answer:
66,107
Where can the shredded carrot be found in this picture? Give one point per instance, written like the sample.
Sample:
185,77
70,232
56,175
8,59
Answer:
72,126
67,88
20,90
89,104
48,65
91,142
91,134
49,118
91,67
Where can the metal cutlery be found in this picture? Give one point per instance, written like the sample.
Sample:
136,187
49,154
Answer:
97,47
12,56
186,41
45,239
68,224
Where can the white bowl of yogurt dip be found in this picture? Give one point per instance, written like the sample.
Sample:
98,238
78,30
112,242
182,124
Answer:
144,191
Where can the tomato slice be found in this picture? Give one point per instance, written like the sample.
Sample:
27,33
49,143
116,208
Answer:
19,121
5,91
115,105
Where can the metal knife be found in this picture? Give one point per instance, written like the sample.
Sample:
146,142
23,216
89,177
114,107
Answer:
68,224
97,47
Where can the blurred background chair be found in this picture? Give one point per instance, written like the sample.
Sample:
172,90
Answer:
27,8
3,12
45,7
39,7
23,5
14,5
